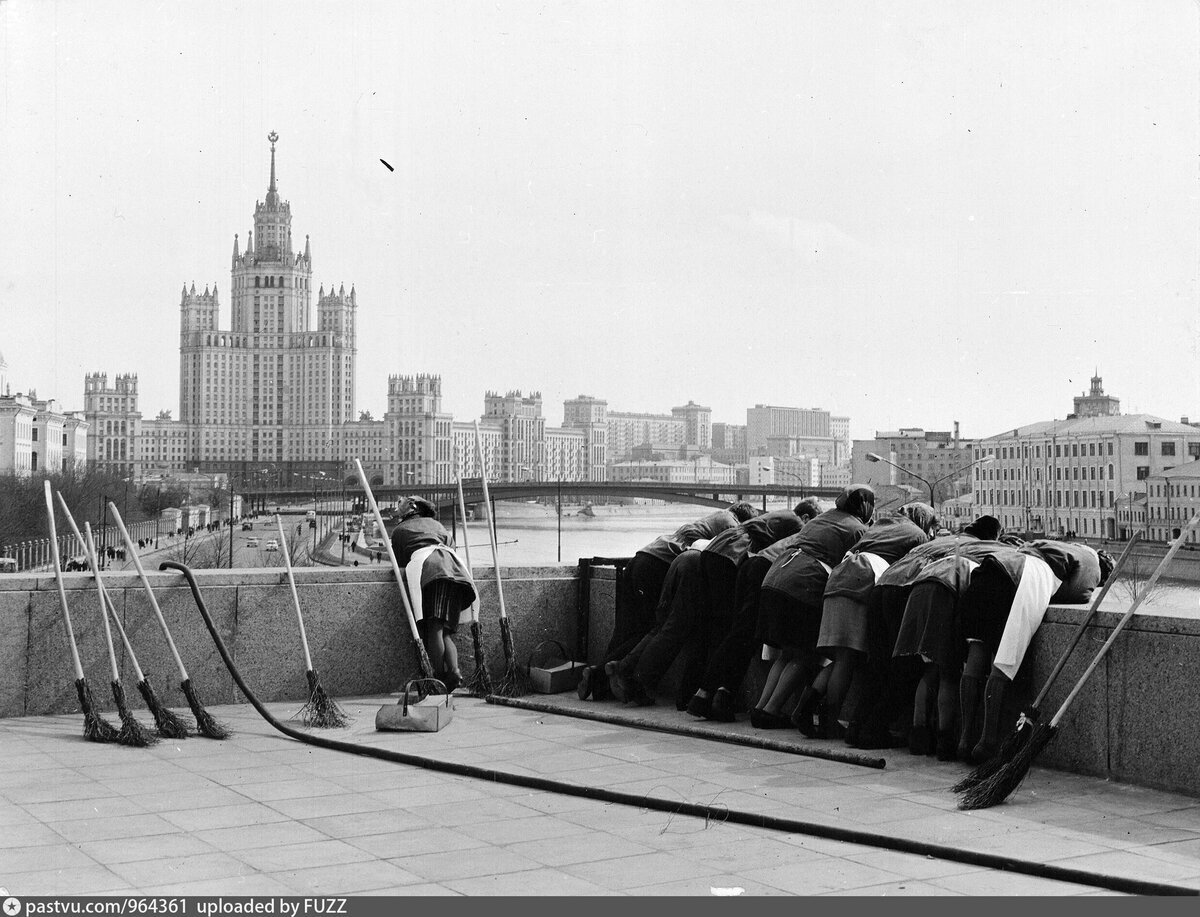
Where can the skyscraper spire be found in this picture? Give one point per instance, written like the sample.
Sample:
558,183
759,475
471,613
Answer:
272,193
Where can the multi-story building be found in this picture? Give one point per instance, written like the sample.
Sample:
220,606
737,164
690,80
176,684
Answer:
590,415
937,457
701,471
1079,474
1171,500
627,430
766,423
729,443
39,436
697,425
272,398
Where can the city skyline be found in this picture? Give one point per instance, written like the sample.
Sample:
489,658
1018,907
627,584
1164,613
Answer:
636,228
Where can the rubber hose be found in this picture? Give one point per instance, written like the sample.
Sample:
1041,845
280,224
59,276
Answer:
699,810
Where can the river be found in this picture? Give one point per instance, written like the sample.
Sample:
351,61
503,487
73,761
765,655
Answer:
528,534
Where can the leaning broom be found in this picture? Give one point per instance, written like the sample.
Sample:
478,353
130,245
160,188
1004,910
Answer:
95,727
480,682
515,680
1013,770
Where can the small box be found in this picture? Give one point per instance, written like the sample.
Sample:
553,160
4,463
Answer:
417,713
555,674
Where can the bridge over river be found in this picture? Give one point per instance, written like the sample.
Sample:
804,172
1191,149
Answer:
561,491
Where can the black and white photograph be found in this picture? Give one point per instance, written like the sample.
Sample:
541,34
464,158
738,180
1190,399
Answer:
546,448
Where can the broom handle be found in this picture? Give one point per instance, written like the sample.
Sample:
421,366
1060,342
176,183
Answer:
387,543
287,562
107,603
1150,584
58,579
88,547
137,563
1108,584
462,512
487,509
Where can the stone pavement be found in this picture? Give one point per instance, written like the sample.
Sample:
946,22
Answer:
264,814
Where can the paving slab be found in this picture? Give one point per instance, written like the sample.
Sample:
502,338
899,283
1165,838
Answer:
262,813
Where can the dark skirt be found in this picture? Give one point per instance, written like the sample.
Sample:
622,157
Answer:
931,626
444,601
986,604
784,621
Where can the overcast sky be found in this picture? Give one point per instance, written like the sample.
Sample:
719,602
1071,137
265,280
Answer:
910,213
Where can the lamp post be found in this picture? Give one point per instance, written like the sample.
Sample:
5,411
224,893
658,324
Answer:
873,457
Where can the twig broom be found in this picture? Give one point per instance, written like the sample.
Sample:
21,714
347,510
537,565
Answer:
321,710
423,662
480,682
205,724
95,727
1012,772
132,732
1029,718
515,680
168,724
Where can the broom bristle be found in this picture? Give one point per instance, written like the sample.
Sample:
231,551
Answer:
132,733
95,727
321,711
168,724
515,680
1008,748
205,724
480,682
1010,774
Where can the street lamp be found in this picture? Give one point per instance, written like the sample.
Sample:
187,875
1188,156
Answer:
873,457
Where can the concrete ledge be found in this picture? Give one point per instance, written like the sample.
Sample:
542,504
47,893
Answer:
1135,721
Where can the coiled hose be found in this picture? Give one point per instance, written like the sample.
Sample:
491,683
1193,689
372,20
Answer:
699,810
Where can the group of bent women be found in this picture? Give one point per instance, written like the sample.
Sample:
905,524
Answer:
903,611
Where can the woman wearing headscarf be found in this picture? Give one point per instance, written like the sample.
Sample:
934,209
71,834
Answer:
1003,607
693,608
643,583
890,681
790,601
717,696
932,630
845,615
438,583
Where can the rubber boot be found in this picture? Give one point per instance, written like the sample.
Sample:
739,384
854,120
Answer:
993,704
969,700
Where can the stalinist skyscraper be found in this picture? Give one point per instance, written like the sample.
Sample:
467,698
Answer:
275,392
274,387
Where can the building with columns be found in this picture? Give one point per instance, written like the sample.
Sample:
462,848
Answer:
38,436
271,397
1088,473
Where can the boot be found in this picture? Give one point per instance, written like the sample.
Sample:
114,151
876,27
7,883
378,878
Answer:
993,704
584,689
803,715
700,706
828,726
969,709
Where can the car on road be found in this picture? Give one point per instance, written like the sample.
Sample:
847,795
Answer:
252,542
272,545
247,526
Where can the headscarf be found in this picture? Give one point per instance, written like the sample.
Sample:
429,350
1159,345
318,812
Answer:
858,500
419,506
743,511
985,528
922,514
808,508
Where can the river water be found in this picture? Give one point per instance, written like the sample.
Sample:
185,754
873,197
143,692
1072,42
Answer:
528,534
